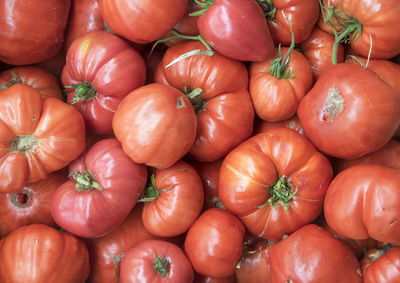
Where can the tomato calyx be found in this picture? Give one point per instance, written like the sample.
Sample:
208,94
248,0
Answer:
116,259
195,98
83,91
24,143
150,192
268,8
377,253
204,5
22,199
85,181
333,106
281,193
161,266
13,81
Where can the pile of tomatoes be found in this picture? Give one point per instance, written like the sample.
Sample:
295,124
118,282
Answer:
199,141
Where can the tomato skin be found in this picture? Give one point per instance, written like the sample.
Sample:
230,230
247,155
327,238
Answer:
362,201
156,125
92,213
383,266
349,112
276,99
32,31
237,29
308,256
214,243
291,123
58,256
251,173
198,278
142,21
180,200
137,263
113,69
44,135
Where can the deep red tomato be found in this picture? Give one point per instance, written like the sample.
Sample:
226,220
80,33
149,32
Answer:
101,69
32,31
291,123
38,136
105,187
349,112
142,21
156,125
381,265
154,261
214,243
173,200
363,201
218,89
275,182
276,92
236,29
313,255
31,205
38,253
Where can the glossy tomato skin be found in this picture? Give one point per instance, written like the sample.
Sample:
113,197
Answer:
138,263
38,136
291,123
32,31
91,212
381,265
111,67
142,21
349,112
214,243
31,205
224,110
237,29
38,253
309,254
274,98
362,201
156,125
278,161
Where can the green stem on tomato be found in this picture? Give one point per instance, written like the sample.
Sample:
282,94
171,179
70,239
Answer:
268,8
85,181
280,194
204,5
83,91
161,266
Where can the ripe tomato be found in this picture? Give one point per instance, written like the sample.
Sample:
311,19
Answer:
38,253
381,265
291,123
38,136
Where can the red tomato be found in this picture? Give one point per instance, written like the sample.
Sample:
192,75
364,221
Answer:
32,31
105,187
363,201
156,125
381,265
218,89
214,243
237,29
54,65
275,182
154,261
291,123
349,112
38,136
101,69
276,96
313,255
38,253
142,21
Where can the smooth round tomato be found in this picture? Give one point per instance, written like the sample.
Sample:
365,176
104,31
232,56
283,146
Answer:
38,253
154,261
381,265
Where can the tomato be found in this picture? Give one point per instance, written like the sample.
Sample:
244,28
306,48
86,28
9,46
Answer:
142,21
317,48
274,92
101,69
198,278
38,136
41,80
105,187
32,31
156,125
364,19
173,200
309,255
54,65
381,265
302,15
31,205
38,253
349,112
214,243
236,29
218,89
155,261
362,201
275,182
291,123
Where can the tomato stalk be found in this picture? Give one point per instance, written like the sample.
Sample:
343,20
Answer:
116,259
151,193
85,181
22,199
195,98
24,143
161,265
379,252
281,193
14,80
204,4
83,91
268,8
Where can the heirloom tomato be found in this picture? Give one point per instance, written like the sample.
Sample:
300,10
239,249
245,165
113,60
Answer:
381,265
